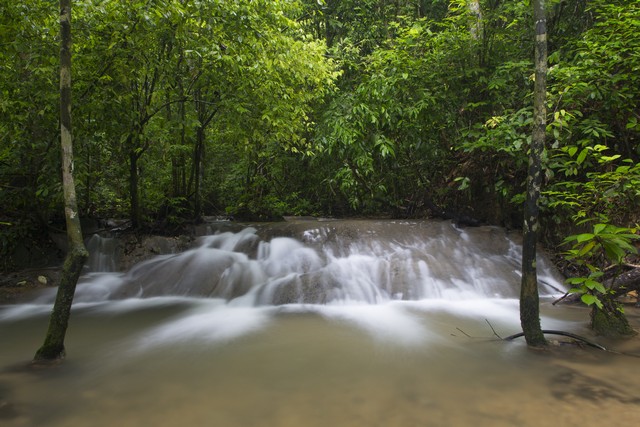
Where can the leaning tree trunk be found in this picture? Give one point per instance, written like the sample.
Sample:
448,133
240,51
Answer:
529,299
53,347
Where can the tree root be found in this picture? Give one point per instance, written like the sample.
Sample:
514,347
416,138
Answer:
562,333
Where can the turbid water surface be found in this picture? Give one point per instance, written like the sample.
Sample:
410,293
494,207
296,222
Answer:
342,323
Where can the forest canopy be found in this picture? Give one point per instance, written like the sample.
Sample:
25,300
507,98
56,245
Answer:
264,108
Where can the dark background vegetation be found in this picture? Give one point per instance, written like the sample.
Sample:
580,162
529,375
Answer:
259,109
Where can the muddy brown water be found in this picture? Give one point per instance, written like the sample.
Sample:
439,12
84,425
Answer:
401,337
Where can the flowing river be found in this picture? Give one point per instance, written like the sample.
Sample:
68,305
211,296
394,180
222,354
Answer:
315,323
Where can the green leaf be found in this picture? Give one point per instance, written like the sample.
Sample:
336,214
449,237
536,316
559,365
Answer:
596,274
597,229
614,252
606,159
624,245
582,156
589,299
599,287
580,238
586,249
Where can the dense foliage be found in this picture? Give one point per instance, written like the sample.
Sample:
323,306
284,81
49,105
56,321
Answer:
263,108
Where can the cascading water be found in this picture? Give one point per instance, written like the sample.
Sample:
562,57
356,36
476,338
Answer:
310,323
104,253
333,262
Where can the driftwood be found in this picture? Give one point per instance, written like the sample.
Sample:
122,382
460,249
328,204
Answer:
620,285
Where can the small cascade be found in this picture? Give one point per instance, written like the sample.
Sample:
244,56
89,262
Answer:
104,254
337,262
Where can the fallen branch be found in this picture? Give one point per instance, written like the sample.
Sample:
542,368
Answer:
620,285
561,298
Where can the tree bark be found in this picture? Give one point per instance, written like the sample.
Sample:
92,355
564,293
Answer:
198,155
134,195
529,298
53,347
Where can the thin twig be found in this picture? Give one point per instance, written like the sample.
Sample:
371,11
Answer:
494,331
466,334
561,298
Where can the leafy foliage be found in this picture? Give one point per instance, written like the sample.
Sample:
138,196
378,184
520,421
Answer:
606,245
268,108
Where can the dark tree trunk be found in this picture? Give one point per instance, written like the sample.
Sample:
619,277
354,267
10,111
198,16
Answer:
529,299
134,197
206,112
53,347
198,154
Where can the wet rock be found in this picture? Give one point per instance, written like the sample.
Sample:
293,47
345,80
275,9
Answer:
142,248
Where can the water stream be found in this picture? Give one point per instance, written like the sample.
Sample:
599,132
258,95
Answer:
337,323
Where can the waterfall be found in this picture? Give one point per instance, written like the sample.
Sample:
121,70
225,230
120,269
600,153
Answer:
332,262
104,253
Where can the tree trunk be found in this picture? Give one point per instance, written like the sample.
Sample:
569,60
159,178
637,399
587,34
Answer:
529,299
53,347
134,198
198,154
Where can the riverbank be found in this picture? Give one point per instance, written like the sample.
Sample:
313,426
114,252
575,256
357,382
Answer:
131,248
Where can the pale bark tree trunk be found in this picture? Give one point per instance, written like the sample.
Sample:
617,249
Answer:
529,299
53,347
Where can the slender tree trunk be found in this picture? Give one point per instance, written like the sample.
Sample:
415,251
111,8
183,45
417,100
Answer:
529,299
134,196
53,347
198,154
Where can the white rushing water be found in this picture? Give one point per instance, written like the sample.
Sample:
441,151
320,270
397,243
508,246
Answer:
340,262
308,323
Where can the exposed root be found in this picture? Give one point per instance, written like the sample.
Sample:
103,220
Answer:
561,333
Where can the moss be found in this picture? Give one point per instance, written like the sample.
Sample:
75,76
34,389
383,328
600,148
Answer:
530,321
53,347
610,321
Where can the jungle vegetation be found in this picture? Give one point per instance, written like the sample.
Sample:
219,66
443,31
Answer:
262,108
